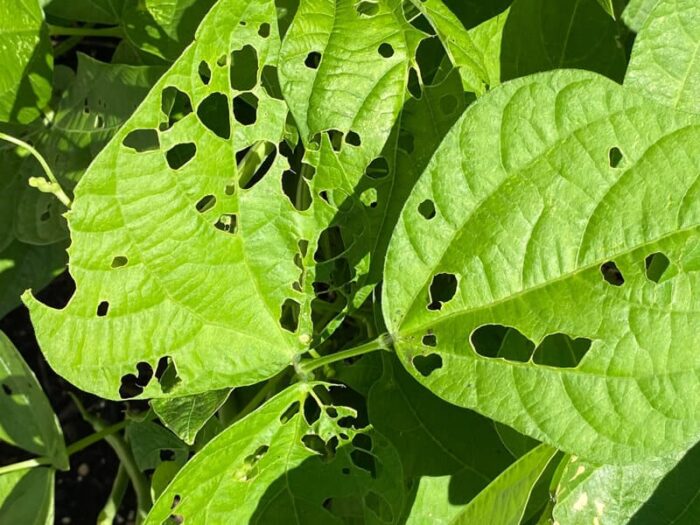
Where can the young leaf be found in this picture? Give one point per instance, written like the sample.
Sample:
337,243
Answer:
27,496
186,416
26,418
576,220
26,63
665,63
503,502
278,462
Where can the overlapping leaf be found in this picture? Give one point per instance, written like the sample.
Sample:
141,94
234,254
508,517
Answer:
526,217
186,416
279,464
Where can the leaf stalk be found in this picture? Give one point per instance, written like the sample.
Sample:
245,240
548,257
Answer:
383,342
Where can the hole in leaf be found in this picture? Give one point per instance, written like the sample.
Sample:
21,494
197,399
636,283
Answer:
245,109
204,72
364,460
175,105
313,60
345,471
141,140
362,441
442,289
326,449
448,104
612,274
615,156
180,154
655,266
166,374
213,113
427,364
330,244
289,318
290,412
369,197
264,30
129,387
406,141
249,469
311,410
244,68
166,454
336,138
145,373
561,351
297,190
353,138
429,340
102,308
415,88
270,82
227,223
254,164
45,216
205,204
367,8
427,209
6,389
378,168
119,261
386,50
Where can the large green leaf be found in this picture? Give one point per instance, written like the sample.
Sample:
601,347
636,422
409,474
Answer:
665,63
278,465
26,61
223,257
526,217
187,415
26,418
637,13
27,496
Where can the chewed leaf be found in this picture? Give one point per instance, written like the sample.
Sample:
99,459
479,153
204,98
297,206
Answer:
566,256
191,296
26,418
665,62
277,462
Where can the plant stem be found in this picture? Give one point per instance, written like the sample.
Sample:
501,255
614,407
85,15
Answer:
53,185
66,45
114,31
383,342
70,450
116,495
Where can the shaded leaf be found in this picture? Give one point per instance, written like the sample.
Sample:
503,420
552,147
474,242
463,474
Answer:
27,496
152,444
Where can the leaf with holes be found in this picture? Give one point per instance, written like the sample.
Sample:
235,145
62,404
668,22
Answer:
26,63
585,195
665,62
292,457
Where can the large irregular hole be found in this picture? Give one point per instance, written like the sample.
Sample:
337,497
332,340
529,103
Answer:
442,289
175,105
558,350
245,109
132,385
254,163
615,157
311,410
364,460
180,154
367,8
227,222
166,374
655,265
213,112
378,168
297,190
289,316
325,449
6,389
244,68
291,411
270,82
353,138
313,60
330,244
141,140
427,364
612,274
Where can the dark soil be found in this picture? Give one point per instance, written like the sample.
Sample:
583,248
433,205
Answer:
81,492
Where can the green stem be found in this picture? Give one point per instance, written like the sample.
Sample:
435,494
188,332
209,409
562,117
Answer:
252,160
53,185
383,342
66,45
259,398
116,495
114,31
70,450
